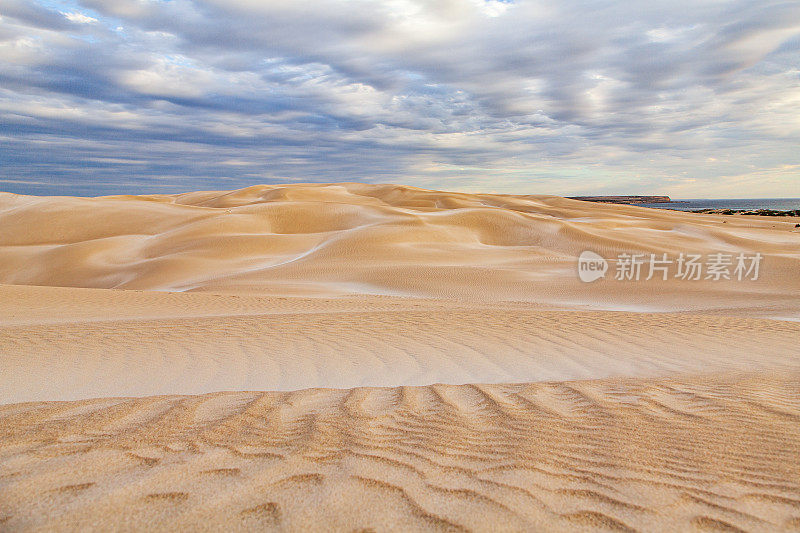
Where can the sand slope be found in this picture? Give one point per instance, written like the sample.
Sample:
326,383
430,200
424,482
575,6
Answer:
433,363
197,343
383,239
711,454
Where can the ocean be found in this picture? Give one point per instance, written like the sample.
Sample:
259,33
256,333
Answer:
89,189
778,204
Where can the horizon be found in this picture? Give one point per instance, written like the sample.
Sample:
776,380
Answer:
691,100
415,265
127,192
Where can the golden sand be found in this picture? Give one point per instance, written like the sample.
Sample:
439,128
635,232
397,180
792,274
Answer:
433,360
344,239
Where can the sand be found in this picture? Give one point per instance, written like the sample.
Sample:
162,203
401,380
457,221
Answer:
344,239
349,357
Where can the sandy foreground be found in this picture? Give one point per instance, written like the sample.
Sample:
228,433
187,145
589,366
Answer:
431,361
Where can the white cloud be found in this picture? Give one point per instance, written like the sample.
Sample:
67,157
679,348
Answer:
575,96
79,18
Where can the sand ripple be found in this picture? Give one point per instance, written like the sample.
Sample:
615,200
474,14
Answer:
433,360
707,454
123,343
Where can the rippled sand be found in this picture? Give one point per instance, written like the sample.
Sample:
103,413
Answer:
708,453
197,343
433,361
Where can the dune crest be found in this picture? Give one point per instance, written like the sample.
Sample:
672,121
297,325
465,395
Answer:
131,343
382,358
332,240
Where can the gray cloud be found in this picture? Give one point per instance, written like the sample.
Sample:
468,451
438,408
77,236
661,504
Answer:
688,98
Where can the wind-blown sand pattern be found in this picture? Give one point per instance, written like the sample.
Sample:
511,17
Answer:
710,454
303,343
329,240
433,363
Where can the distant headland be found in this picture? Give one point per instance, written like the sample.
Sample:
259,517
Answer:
624,199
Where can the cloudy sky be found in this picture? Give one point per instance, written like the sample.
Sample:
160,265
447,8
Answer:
696,99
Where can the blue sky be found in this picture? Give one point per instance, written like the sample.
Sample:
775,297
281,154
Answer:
687,98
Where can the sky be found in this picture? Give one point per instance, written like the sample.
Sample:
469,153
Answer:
695,99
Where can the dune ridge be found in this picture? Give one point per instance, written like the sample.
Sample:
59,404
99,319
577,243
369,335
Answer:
335,239
263,343
355,357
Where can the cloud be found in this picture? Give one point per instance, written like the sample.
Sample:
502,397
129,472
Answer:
527,96
79,18
34,15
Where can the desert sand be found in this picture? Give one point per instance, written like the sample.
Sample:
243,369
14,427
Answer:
377,357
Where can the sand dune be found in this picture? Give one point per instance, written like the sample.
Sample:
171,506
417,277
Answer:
433,363
161,346
704,454
329,240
